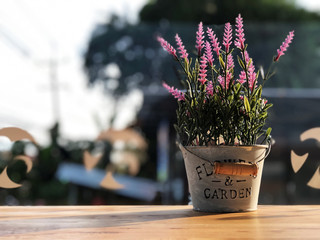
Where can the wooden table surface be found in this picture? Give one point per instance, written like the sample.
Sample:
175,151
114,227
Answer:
157,222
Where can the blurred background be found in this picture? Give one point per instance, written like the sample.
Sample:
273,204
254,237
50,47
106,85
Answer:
84,79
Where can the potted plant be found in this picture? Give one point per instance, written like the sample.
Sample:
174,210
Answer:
221,119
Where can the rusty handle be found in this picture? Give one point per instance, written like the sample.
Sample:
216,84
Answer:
236,169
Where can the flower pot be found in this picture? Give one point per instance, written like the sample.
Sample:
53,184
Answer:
224,178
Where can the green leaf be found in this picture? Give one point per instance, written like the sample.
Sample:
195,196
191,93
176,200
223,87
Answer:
241,63
270,75
221,62
269,105
190,62
214,69
245,47
256,127
259,92
186,65
268,132
237,87
246,104
263,115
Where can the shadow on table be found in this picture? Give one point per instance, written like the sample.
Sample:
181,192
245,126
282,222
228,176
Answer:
62,220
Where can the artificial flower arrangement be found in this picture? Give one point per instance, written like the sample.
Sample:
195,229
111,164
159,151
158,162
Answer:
219,106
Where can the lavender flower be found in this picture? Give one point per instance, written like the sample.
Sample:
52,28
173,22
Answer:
221,80
166,46
251,71
175,92
200,37
227,36
214,41
203,70
228,78
239,42
284,46
252,78
209,54
242,77
181,48
230,62
209,89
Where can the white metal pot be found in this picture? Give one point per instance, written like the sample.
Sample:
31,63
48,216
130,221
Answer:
224,178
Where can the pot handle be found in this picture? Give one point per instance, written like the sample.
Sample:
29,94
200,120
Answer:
240,169
235,169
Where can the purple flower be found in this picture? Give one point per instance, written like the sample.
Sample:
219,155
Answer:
209,89
203,70
200,37
252,78
166,46
284,46
227,36
175,92
222,79
239,42
251,71
209,54
181,48
242,77
214,41
246,57
230,62
229,76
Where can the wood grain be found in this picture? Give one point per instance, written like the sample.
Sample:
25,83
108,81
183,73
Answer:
157,222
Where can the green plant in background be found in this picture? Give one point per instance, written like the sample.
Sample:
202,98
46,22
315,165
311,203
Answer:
218,106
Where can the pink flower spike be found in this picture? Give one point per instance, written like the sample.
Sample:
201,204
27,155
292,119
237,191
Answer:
251,72
209,54
246,57
221,81
166,46
230,62
214,41
203,70
175,92
242,77
229,76
227,36
252,78
239,42
200,37
181,48
284,46
209,89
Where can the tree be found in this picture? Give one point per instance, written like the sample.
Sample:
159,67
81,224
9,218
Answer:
221,11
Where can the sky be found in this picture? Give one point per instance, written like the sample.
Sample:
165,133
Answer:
35,32
60,23
311,5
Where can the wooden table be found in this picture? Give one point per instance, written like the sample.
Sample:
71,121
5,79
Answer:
157,222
